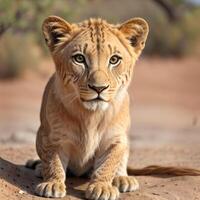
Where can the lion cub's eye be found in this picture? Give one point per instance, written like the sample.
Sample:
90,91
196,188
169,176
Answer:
78,58
115,60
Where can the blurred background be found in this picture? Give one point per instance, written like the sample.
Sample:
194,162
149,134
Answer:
165,91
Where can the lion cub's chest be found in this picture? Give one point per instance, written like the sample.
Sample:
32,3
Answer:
82,142
82,151
87,143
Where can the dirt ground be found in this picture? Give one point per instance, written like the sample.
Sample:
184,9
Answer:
165,109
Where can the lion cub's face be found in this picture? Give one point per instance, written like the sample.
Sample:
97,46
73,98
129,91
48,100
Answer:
96,58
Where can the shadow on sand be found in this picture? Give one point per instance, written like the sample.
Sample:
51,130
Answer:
26,181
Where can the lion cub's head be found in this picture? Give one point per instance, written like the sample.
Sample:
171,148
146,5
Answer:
94,57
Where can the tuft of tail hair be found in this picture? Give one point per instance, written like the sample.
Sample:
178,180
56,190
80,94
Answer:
161,170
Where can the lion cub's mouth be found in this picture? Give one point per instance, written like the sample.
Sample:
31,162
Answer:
95,103
97,99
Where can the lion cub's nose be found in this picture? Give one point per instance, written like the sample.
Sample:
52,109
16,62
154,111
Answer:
98,89
98,81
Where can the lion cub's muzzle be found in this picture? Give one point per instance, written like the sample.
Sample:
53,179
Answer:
98,82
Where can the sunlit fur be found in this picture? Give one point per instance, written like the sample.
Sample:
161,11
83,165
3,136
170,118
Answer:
97,41
80,132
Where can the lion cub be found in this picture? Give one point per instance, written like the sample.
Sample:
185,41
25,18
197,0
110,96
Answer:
85,109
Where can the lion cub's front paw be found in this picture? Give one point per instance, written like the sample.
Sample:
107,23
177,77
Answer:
51,189
101,191
126,183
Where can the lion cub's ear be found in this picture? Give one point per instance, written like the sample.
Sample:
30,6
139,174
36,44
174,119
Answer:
56,30
136,31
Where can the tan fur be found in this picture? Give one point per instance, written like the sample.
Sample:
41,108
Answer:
78,132
164,170
85,108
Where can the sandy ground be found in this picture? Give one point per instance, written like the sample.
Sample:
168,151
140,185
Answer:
165,99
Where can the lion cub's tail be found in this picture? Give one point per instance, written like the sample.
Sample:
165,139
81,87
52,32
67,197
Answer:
161,170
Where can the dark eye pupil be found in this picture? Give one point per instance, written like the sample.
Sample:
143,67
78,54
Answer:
114,59
79,58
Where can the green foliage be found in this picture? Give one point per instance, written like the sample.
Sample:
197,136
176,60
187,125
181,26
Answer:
16,54
165,39
191,29
20,31
26,16
174,39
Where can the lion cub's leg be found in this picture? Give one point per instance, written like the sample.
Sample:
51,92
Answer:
106,166
122,181
53,172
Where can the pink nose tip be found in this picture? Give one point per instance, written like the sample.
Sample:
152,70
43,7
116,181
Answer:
98,89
